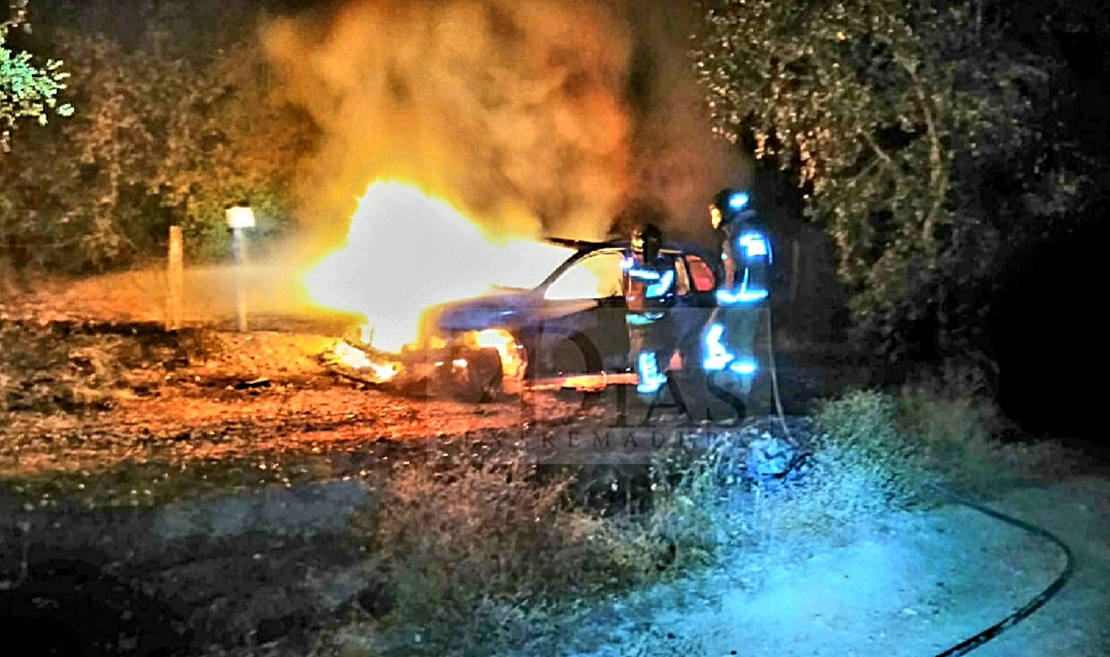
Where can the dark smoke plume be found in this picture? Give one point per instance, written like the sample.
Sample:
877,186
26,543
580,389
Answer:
677,165
529,115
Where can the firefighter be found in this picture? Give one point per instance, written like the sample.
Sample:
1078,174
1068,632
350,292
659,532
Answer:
649,292
742,296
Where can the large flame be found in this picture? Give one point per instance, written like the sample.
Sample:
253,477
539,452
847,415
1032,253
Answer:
407,251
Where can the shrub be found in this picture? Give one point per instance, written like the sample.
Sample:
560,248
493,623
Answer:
955,434
862,464
476,554
971,446
862,445
687,510
874,452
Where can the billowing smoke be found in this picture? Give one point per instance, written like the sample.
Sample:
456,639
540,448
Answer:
513,109
557,115
677,164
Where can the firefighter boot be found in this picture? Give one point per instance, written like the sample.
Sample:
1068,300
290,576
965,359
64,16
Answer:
651,379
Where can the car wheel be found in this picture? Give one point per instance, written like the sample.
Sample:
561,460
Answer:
481,380
576,354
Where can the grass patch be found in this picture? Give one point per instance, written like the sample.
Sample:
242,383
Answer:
862,464
482,558
874,452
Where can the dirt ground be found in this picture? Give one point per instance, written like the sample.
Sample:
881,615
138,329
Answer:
91,381
85,398
913,584
192,491
102,406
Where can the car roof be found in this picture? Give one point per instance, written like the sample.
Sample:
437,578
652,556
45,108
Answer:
586,247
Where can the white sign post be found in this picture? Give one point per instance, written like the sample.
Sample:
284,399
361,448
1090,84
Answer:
239,218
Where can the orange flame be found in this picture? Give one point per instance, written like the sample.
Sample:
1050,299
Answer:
407,251
357,359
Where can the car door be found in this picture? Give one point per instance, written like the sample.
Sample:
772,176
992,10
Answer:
583,329
696,300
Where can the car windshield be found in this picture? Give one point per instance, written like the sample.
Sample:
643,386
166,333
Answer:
596,276
530,263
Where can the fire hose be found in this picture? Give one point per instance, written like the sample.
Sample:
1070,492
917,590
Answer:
775,380
973,642
969,644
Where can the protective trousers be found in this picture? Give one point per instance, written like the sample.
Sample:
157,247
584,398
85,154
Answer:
729,342
652,344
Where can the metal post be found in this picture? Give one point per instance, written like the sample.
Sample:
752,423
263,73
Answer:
239,252
239,217
175,279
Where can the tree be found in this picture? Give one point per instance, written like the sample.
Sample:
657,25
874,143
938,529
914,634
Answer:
164,136
26,90
919,136
185,137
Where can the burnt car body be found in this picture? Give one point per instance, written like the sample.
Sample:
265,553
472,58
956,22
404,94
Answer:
574,321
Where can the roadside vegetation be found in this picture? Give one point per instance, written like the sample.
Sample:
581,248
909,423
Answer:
875,452
28,89
495,558
487,557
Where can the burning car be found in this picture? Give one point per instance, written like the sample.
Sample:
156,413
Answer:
572,325
450,305
567,331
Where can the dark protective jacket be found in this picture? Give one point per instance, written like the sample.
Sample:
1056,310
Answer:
649,287
747,257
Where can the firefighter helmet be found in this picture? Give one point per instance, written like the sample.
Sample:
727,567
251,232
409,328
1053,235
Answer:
727,206
647,240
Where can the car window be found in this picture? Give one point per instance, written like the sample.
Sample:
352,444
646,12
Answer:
700,273
596,276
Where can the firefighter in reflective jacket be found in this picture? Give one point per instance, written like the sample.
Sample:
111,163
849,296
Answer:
649,283
729,338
